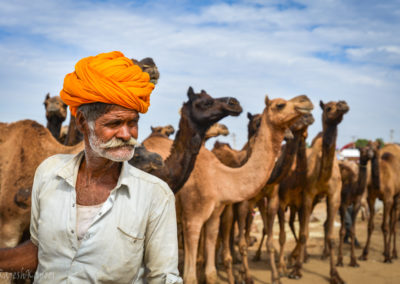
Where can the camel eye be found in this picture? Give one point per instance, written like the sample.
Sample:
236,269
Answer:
280,106
328,109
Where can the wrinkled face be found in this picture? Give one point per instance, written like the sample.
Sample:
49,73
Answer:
283,113
55,107
333,111
113,135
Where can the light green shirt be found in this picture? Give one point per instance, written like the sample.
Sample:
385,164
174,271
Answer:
135,227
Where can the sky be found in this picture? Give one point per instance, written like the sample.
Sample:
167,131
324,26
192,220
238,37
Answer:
329,50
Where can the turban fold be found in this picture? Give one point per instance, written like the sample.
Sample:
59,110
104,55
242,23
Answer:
109,78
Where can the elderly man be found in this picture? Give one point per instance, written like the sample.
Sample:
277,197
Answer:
95,218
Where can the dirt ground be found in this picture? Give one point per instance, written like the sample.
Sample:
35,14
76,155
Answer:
317,270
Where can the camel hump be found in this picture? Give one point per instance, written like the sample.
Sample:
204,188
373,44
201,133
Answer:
388,157
319,135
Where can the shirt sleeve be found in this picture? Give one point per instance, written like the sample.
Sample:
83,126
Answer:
161,246
35,208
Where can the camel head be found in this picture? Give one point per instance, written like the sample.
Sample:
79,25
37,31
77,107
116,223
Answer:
217,129
145,160
333,112
302,122
283,113
147,65
163,130
204,110
253,125
55,108
221,145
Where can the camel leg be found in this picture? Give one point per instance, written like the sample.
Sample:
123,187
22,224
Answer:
342,232
333,202
325,252
394,223
282,240
387,208
191,240
226,226
211,235
272,209
371,206
356,209
243,211
305,212
261,207
291,222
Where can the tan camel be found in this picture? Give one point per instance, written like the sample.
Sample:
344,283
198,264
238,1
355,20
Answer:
354,181
217,129
385,185
56,112
212,184
166,131
323,179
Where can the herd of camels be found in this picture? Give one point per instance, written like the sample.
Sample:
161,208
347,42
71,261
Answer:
216,191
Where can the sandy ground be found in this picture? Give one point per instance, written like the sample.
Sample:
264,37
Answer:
317,270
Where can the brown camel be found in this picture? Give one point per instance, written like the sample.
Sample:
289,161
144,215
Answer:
197,116
354,181
323,179
213,184
163,130
56,112
385,185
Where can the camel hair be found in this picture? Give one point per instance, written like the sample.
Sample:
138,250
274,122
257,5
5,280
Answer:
385,185
56,112
354,181
213,184
323,179
147,65
198,114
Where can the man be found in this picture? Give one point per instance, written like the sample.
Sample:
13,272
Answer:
95,218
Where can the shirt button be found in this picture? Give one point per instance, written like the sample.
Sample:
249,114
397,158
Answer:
73,204
99,213
72,231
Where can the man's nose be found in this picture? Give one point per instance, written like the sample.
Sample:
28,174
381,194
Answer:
124,133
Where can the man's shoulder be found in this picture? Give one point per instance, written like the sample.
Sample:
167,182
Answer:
150,181
53,164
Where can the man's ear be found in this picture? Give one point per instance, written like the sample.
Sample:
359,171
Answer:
81,122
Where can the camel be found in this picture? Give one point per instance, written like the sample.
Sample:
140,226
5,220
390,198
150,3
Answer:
163,130
56,112
215,130
213,184
354,181
385,185
147,64
323,179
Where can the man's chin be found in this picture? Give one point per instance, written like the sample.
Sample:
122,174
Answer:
121,154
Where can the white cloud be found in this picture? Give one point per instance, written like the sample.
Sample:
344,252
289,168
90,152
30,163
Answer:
329,50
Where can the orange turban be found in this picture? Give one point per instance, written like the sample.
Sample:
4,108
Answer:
109,78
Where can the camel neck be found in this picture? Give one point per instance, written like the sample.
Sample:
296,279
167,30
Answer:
285,160
362,176
54,126
248,180
328,151
185,148
375,171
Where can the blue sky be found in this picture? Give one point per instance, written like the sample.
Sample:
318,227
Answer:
329,50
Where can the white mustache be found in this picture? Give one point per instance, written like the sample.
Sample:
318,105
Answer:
116,143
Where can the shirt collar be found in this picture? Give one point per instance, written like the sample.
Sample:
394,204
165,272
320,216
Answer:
69,172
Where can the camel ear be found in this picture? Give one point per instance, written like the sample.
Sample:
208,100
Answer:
321,104
249,115
191,95
47,96
152,128
267,101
